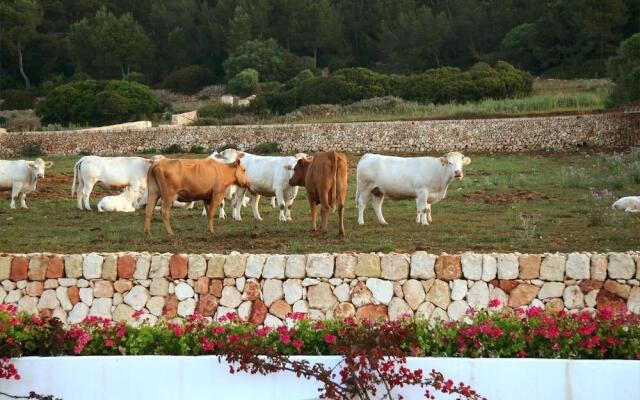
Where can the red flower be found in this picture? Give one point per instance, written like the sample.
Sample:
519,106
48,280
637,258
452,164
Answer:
329,338
285,339
218,330
108,342
297,344
137,314
493,303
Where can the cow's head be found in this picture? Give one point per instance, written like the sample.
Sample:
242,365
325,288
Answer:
240,173
157,157
454,161
131,194
37,167
227,155
300,172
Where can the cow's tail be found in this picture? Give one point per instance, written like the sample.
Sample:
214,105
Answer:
334,164
76,173
152,184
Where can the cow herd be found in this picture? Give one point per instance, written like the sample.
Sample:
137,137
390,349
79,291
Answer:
242,178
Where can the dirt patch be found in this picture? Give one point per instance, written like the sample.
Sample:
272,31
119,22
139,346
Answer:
513,196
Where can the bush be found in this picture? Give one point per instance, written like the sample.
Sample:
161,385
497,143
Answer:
245,83
197,149
172,149
216,110
97,103
624,71
266,148
441,85
304,75
15,99
188,79
32,149
23,123
135,77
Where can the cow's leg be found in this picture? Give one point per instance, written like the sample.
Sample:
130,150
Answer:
23,203
216,199
341,216
314,214
167,203
289,203
419,210
255,199
423,207
237,204
221,213
282,205
87,188
324,212
152,200
15,191
361,200
376,202
428,212
273,202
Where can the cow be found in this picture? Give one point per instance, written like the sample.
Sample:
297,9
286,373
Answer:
325,176
21,177
424,179
190,180
627,204
176,204
112,172
269,176
121,203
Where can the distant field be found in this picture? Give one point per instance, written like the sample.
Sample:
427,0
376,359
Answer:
519,202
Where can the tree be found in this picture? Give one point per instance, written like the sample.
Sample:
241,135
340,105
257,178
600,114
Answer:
413,41
519,45
245,83
624,71
19,18
107,46
315,25
239,28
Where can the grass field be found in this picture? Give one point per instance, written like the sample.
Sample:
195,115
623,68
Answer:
518,202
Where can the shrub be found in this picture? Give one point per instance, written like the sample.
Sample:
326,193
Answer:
216,110
97,102
245,83
304,75
188,79
15,99
32,149
266,148
624,71
22,123
135,77
172,149
197,149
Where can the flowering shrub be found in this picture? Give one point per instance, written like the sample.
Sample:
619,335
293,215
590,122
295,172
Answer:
374,354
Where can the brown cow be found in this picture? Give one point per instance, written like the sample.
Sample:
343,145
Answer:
190,180
325,176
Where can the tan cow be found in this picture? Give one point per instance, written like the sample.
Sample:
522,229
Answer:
325,177
190,180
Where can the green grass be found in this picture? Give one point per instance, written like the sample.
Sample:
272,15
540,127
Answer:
519,202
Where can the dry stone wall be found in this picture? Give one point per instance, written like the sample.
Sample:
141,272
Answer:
560,133
265,288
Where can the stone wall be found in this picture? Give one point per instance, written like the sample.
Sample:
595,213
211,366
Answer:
561,133
264,289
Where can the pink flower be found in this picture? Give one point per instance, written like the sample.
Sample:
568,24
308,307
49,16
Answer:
297,316
285,339
108,342
218,330
329,338
493,303
137,314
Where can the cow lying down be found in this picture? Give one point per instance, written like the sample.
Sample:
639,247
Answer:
627,204
121,203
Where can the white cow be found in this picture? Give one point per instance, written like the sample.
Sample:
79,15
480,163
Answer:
21,177
113,172
425,179
121,203
627,204
269,176
176,204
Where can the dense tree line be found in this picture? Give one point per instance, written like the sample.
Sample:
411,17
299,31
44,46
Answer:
50,42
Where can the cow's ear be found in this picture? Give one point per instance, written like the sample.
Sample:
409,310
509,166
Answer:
466,161
48,164
444,160
240,155
31,164
237,162
217,155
